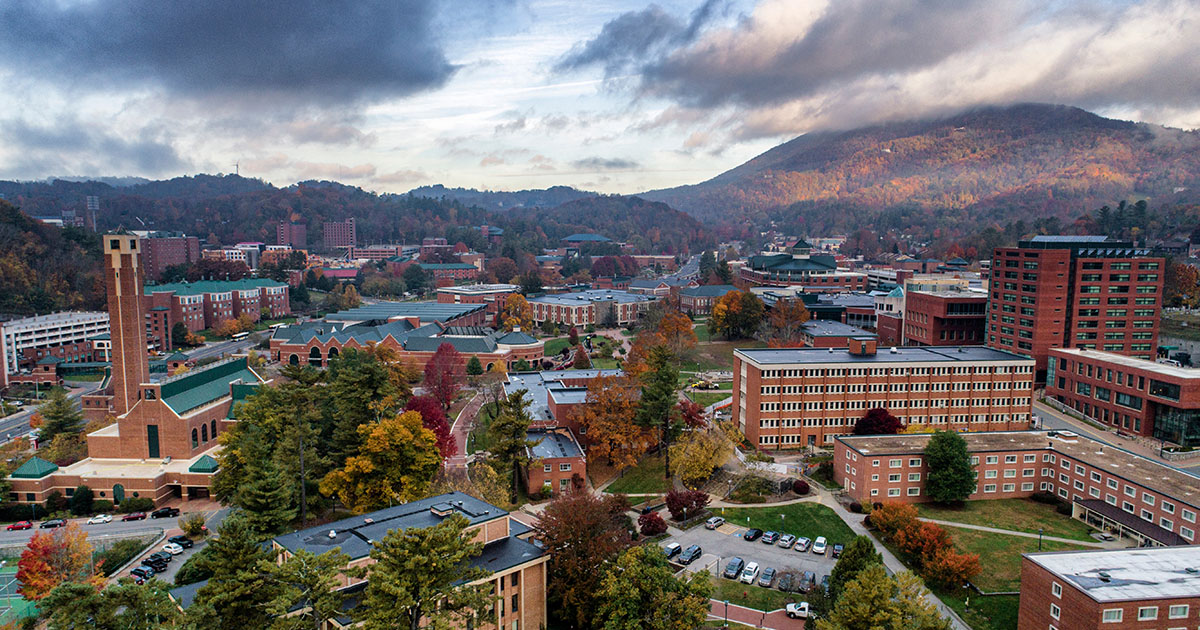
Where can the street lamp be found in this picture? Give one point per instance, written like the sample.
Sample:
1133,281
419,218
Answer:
727,613
1040,530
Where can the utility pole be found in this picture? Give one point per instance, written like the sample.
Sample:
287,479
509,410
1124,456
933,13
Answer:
303,480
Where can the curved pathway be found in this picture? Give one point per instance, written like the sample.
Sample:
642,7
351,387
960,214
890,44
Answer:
461,429
1009,532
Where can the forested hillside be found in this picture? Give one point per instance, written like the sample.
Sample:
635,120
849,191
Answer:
44,268
502,200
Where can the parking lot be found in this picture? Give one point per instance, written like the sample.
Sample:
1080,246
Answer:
724,543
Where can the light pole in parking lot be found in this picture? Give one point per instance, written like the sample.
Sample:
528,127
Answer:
727,613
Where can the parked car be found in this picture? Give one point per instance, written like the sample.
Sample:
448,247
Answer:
808,580
769,538
837,551
802,543
752,535
672,550
786,541
797,611
819,546
182,541
100,519
173,548
714,522
750,573
690,554
52,523
825,583
158,564
786,582
767,578
142,572
734,568
134,516
164,512
19,525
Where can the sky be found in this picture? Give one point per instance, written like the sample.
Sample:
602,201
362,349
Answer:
605,95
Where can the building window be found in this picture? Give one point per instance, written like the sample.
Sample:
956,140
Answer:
893,492
914,476
894,478
547,468
1189,516
195,439
895,463
1113,615
1147,613
1177,612
915,462
913,492
564,467
991,487
1055,611
1056,589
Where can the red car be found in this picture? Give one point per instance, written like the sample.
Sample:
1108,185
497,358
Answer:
134,516
20,525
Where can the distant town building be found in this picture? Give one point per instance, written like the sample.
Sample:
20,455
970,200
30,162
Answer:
799,266
599,307
699,300
167,249
337,234
493,296
294,235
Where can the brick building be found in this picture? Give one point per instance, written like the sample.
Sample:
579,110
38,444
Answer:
599,307
294,235
337,234
1134,396
445,274
824,333
165,434
699,300
166,249
796,397
25,341
1110,589
202,305
494,296
379,252
944,318
1109,488
1074,292
555,459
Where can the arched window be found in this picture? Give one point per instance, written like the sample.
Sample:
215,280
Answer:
214,429
204,433
314,357
294,360
333,352
195,442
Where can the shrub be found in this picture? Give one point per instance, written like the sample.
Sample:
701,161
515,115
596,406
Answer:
543,493
192,525
825,470
136,504
922,541
189,573
856,507
652,524
101,506
686,503
82,501
949,569
1044,496
1064,508
800,487
115,557
56,502
891,518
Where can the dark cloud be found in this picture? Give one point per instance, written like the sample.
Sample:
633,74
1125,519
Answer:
311,50
70,147
628,39
604,164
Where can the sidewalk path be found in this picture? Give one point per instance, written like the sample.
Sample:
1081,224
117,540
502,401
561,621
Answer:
461,429
1009,532
776,619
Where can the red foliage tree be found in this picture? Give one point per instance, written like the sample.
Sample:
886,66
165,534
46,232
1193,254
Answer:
651,524
890,518
923,541
573,336
948,568
443,374
434,419
581,360
685,503
691,413
878,422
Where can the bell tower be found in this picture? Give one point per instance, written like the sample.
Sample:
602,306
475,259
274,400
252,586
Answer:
127,319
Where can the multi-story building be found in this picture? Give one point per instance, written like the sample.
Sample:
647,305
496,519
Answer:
380,252
166,249
700,300
1109,488
494,296
944,318
1110,589
165,435
1134,396
23,342
445,274
517,572
337,234
294,235
202,305
1074,292
797,397
825,333
600,307
555,459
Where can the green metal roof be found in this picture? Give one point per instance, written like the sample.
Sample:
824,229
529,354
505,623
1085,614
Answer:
49,361
201,387
240,392
205,464
35,468
212,286
445,266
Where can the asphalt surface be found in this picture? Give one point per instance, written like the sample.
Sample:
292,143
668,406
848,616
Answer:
722,544
116,527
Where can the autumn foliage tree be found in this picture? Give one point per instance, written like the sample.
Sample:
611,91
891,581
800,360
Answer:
608,416
891,517
682,503
517,313
736,315
698,453
443,374
434,419
581,361
651,524
51,558
396,461
785,323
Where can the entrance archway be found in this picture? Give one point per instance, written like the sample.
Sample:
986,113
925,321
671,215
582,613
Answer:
294,360
314,357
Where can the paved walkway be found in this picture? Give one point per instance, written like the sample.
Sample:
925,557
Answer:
775,619
461,429
1009,532
717,502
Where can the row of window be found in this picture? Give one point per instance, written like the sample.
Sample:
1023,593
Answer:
875,388
898,371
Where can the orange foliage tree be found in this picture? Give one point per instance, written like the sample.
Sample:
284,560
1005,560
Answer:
65,555
890,518
948,568
607,416
785,324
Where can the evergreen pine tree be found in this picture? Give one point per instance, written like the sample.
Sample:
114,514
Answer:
236,596
474,367
267,499
508,432
60,416
659,396
857,556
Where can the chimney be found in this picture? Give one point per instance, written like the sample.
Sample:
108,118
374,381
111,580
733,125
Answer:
862,346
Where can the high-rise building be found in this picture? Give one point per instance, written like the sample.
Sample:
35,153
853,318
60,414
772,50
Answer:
944,318
1089,292
339,234
166,249
292,234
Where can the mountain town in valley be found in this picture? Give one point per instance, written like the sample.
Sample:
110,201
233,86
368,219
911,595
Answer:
777,314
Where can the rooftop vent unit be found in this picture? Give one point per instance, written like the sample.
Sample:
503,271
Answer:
1192,570
441,509
1104,576
333,533
368,520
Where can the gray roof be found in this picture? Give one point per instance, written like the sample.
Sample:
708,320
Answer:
646,283
579,298
904,354
539,385
594,238
516,338
830,328
465,345
1113,575
424,311
708,290
553,444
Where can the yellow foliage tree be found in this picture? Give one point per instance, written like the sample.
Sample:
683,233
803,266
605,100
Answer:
517,313
396,461
607,415
785,324
699,452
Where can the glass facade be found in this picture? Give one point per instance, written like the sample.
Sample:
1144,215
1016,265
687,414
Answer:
1181,426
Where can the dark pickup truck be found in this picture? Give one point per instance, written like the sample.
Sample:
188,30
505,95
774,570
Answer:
164,512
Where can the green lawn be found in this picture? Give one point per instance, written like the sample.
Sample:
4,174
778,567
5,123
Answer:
992,612
478,440
705,399
749,595
644,478
717,355
1021,515
800,519
1173,326
555,346
84,378
1000,555
701,331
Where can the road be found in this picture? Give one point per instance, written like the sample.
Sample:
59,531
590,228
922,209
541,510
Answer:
116,527
17,424
224,347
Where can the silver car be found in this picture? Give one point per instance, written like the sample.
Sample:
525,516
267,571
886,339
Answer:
802,544
786,541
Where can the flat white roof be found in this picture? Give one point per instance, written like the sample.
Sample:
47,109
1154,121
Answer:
1131,362
1128,574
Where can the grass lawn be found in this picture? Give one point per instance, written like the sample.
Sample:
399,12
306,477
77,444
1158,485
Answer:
701,331
644,478
717,355
554,346
824,479
705,399
1172,326
478,439
1021,515
1000,556
84,378
993,612
800,519
750,595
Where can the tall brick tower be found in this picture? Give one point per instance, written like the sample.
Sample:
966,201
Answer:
127,319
